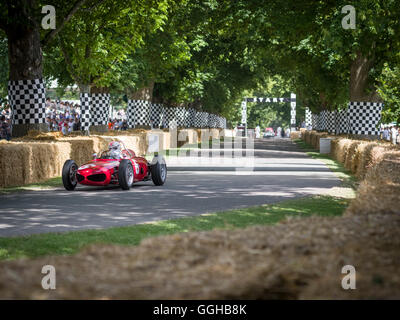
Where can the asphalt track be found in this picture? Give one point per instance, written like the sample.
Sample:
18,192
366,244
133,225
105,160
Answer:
281,171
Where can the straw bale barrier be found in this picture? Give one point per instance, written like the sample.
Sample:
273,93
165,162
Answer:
24,163
377,164
295,259
312,137
295,135
38,157
379,192
355,154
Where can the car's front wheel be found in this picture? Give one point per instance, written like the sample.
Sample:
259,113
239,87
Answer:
125,174
69,175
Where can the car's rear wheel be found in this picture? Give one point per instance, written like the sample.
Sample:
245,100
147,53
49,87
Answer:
125,174
69,175
158,170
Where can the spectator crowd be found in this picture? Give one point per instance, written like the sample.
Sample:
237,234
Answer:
65,117
61,116
390,133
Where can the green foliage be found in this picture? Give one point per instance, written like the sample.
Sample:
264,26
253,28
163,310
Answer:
389,90
98,40
210,54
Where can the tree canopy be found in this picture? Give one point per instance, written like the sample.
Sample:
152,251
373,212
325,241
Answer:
211,54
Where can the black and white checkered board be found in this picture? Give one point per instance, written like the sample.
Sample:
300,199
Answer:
28,101
204,119
363,117
321,121
308,117
330,121
342,125
314,122
190,118
141,109
156,114
85,111
99,108
130,114
180,114
197,120
169,116
212,120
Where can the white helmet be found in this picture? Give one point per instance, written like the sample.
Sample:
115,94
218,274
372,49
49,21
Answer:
115,149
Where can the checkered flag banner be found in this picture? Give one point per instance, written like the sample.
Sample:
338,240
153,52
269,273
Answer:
99,109
308,118
319,122
212,120
197,121
204,119
330,121
130,114
142,112
28,101
314,121
169,116
322,121
190,119
342,125
180,113
363,117
156,114
85,111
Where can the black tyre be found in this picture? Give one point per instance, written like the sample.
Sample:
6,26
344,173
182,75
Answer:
125,174
69,175
158,170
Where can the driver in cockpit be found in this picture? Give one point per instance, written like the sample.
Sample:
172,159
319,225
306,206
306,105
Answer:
114,149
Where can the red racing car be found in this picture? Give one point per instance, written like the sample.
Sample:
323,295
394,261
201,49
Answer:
114,166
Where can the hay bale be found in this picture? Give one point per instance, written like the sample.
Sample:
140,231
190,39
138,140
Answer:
351,155
380,190
341,149
291,260
24,163
295,135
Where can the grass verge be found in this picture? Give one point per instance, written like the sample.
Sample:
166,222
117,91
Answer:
348,179
48,184
71,242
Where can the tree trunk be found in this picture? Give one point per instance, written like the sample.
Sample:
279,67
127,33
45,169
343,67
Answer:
145,93
359,83
95,89
25,60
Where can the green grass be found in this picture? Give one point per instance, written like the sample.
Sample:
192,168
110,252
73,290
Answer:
71,242
348,179
48,184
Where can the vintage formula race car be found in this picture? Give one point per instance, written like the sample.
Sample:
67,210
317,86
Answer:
112,167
